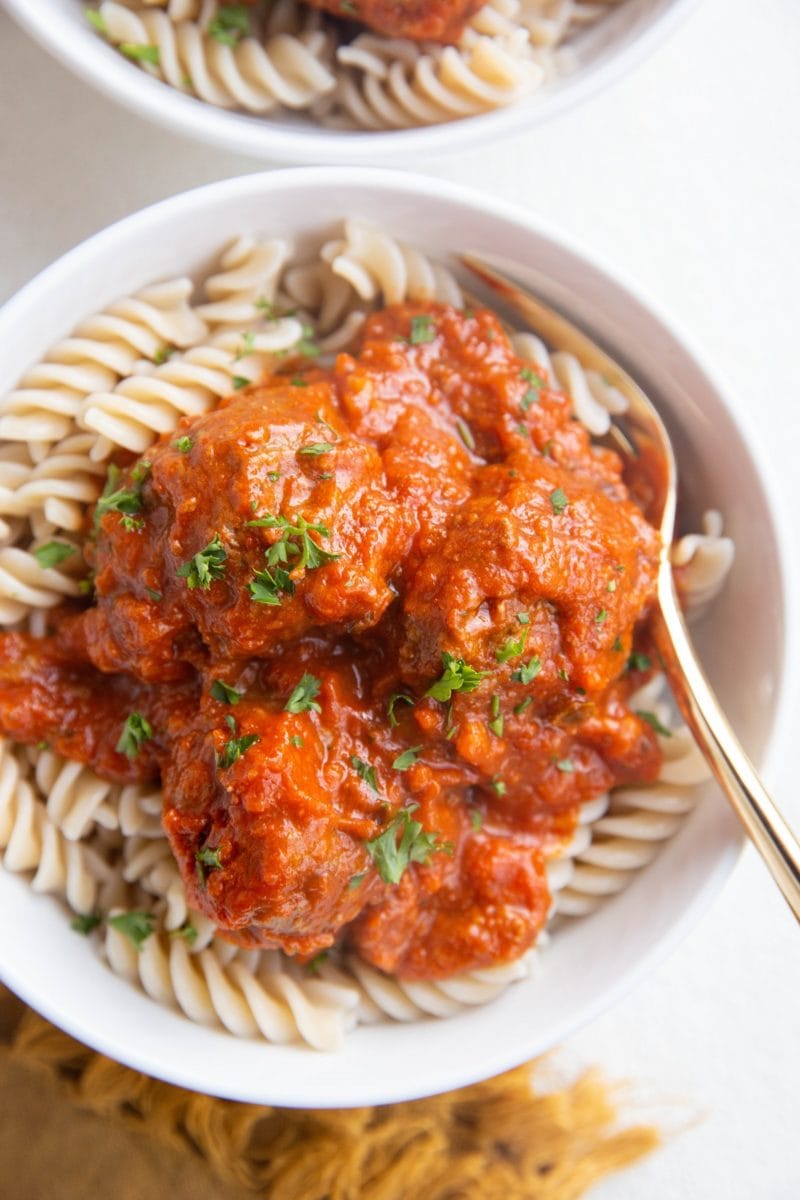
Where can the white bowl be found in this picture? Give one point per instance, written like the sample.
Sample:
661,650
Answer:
593,961
604,53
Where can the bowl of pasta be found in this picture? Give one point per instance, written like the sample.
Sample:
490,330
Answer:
333,742
326,81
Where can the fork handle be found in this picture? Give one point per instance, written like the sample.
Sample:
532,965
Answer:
732,769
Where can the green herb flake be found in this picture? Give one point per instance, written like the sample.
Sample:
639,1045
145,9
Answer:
184,444
307,346
207,859
523,618
302,698
476,817
499,787
96,20
395,699
132,524
512,647
639,662
618,646
653,721
135,732
155,596
423,330
364,771
407,758
295,542
225,693
235,747
207,565
565,765
273,475
611,586
53,553
186,933
230,25
392,854
528,671
85,923
136,926
126,501
519,709
458,676
298,382
266,587
559,501
465,433
601,617
297,741
355,882
163,355
140,52
315,449
347,6
496,724
239,382
248,345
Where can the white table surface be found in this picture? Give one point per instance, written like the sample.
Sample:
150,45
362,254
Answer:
687,174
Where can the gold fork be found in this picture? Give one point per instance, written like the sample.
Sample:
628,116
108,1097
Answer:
643,442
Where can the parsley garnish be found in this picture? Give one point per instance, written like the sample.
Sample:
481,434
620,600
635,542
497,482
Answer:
512,647
618,646
611,586
601,617
391,856
230,25
295,541
499,787
155,596
140,52
248,345
407,758
654,722
559,501
118,499
364,771
355,882
639,662
302,698
528,671
137,926
225,693
239,382
187,931
565,765
205,566
298,382
53,553
163,354
96,19
523,704
86,922
423,330
465,433
184,444
523,618
315,449
207,858
476,816
396,698
235,747
457,676
496,724
266,586
297,741
135,732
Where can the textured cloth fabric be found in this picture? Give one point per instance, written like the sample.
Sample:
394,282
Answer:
78,1120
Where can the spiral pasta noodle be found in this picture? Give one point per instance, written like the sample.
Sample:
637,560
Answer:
163,355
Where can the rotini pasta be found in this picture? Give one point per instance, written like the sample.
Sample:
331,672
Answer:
288,56
100,845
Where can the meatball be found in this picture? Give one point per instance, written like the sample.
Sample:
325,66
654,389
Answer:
420,20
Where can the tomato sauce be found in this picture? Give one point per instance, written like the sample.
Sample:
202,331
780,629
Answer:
369,624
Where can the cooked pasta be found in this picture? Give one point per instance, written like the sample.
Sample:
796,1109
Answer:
288,56
100,845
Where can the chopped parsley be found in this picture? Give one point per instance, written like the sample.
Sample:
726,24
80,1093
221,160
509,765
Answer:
137,926
601,617
523,618
86,922
638,662
298,382
618,646
266,587
127,501
187,932
653,721
230,25
499,787
239,382
297,741
392,855
532,394
407,758
141,52
512,646
528,671
155,596
565,765
207,859
315,449
423,330
519,709
248,345
465,433
53,553
395,699
135,732
302,698
611,586
163,354
457,676
295,542
476,816
364,771
207,565
225,693
235,747
307,346
96,19
184,444
496,724
559,501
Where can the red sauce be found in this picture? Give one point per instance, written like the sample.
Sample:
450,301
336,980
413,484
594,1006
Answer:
429,501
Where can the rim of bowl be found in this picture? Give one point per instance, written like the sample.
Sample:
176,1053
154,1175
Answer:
259,137
385,1091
